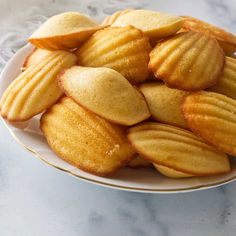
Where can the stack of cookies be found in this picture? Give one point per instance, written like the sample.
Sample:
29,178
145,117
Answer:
142,89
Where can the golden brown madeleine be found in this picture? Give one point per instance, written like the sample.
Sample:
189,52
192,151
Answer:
213,117
164,103
177,149
155,25
226,39
170,172
64,31
181,61
125,50
138,162
105,92
36,88
112,18
84,139
227,81
35,57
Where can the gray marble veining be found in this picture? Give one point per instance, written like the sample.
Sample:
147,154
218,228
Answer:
36,199
223,11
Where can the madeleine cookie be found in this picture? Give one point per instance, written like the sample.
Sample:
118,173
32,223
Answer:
226,39
109,20
155,25
188,61
35,57
106,93
125,50
213,117
164,103
85,140
170,172
64,31
138,162
227,81
36,88
177,149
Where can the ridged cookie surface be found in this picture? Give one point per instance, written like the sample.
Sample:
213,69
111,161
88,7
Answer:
64,31
123,49
213,117
155,25
105,92
177,149
226,39
109,20
36,88
84,139
35,57
227,82
164,103
188,61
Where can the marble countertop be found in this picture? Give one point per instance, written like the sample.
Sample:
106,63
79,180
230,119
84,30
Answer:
36,199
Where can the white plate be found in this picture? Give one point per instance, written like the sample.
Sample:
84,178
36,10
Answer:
139,180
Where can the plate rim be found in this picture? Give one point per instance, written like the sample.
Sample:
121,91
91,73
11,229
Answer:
98,182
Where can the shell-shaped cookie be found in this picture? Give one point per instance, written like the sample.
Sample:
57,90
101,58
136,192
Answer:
109,20
36,88
164,103
155,25
84,139
64,31
227,82
105,92
170,172
123,49
177,149
35,57
226,39
188,61
138,162
213,117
